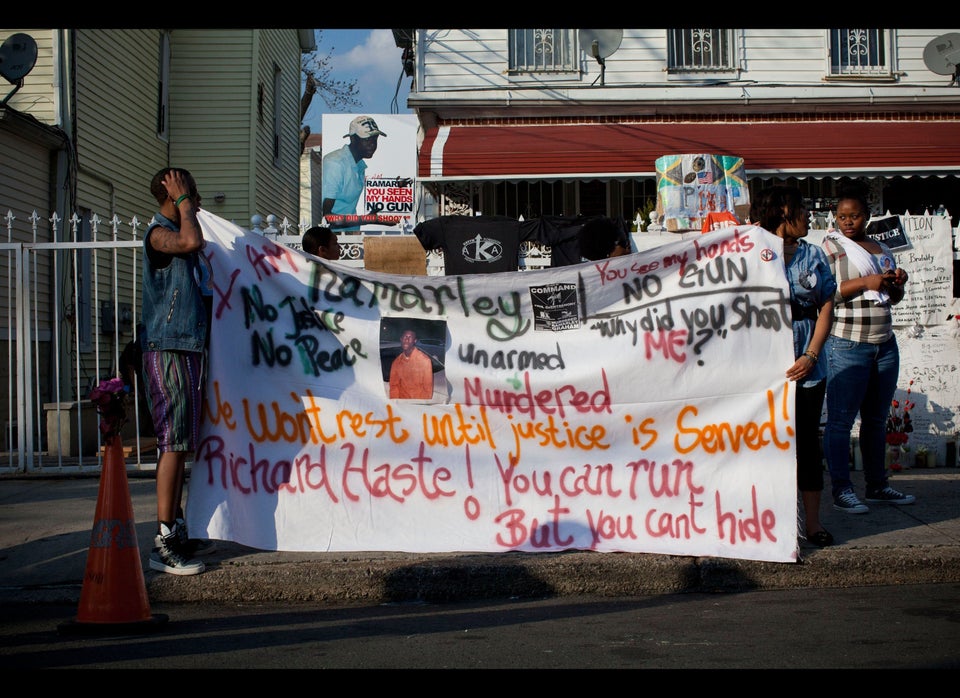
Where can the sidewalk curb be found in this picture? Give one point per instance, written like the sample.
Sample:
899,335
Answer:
376,578
443,578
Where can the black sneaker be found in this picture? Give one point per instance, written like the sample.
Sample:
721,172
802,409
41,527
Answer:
168,555
890,496
194,547
848,503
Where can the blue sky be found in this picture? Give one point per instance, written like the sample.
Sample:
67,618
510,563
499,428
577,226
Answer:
370,57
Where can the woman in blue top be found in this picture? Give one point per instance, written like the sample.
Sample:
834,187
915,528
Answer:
780,210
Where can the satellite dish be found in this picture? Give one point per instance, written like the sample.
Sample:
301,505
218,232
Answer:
600,43
18,55
607,41
942,55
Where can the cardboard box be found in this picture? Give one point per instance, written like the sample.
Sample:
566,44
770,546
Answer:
395,255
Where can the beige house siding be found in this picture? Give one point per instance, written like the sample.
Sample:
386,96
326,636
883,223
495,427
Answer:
212,97
221,124
278,185
311,171
117,145
25,178
910,45
21,195
29,189
27,152
214,121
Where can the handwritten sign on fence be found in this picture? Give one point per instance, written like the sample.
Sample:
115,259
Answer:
634,404
929,263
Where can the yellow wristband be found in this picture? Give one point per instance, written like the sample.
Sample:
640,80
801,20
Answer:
180,200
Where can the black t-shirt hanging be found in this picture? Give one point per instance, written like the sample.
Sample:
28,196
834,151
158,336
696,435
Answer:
562,233
474,244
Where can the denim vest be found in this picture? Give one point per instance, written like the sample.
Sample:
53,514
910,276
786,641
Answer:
174,313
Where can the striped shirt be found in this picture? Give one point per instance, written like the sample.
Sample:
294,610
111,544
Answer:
857,318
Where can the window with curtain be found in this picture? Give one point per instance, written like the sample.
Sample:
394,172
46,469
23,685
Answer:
277,114
163,85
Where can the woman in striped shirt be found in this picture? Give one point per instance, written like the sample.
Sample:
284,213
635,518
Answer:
863,361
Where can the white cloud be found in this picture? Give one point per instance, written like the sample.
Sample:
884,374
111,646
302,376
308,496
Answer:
377,57
372,59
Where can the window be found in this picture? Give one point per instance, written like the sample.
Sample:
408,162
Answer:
163,85
859,52
690,50
542,50
277,122
634,197
528,199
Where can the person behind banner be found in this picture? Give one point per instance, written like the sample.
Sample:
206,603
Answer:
411,373
131,367
863,360
343,173
601,238
321,242
780,210
177,295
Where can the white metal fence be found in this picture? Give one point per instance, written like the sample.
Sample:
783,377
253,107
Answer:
68,307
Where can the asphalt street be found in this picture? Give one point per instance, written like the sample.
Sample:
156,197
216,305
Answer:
868,629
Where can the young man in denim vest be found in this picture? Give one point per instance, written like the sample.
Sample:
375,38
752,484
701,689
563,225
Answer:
176,317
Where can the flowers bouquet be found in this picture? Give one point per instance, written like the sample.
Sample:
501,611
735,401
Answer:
110,398
899,423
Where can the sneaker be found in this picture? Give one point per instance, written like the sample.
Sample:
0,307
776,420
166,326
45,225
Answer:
194,547
847,502
891,496
168,555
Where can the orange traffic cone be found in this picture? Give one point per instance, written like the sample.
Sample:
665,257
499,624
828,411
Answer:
114,594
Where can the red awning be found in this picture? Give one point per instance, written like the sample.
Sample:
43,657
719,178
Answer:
781,149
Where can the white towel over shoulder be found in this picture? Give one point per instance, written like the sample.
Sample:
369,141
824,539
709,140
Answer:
865,263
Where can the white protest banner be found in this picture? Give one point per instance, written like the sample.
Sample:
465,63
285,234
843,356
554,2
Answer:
635,404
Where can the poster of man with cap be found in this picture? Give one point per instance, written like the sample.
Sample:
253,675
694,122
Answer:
374,195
